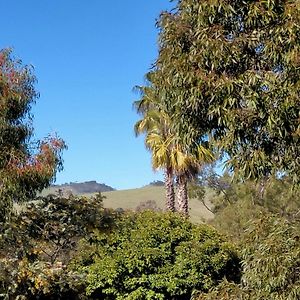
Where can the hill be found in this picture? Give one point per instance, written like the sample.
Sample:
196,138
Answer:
156,183
130,199
80,188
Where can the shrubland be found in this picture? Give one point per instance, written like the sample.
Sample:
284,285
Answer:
72,248
270,263
250,200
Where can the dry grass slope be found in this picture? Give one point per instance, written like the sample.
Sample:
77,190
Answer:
130,199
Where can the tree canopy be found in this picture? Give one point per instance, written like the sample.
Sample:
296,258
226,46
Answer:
230,71
25,166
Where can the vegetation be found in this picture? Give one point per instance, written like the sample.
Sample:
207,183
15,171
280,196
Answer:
223,76
37,245
230,71
159,139
170,151
244,202
157,256
270,263
148,205
131,199
225,83
22,171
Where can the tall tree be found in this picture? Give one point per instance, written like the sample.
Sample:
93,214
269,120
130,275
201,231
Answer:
189,162
156,125
231,70
170,151
24,168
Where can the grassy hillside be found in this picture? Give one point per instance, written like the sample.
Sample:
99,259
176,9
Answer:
130,199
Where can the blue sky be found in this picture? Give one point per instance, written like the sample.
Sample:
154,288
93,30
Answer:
88,56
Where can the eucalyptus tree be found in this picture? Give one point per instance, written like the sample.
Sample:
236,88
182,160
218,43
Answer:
230,70
24,169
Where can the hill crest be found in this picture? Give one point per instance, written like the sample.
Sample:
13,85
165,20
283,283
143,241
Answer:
84,187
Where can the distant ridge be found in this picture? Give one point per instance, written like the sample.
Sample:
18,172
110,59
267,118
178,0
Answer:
156,183
86,187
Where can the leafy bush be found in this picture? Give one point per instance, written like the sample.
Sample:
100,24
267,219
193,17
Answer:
157,256
25,279
225,291
38,243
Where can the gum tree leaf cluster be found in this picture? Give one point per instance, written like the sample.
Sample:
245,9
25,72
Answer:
270,263
230,71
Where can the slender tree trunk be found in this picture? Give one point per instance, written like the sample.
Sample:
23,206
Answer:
182,195
170,195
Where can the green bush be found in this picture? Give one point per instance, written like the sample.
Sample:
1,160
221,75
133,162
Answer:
226,291
157,256
37,245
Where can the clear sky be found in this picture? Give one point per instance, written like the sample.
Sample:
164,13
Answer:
88,56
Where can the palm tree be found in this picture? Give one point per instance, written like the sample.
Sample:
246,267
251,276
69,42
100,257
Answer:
187,163
169,150
172,155
156,125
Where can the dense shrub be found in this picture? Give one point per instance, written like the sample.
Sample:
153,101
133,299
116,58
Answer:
271,259
234,219
225,291
157,256
38,243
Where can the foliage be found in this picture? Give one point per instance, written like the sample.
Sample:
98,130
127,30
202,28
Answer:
157,256
38,243
230,70
22,279
23,168
250,200
220,184
225,291
159,140
271,261
170,151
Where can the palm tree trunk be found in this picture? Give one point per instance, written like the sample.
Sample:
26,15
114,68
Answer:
182,195
170,195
